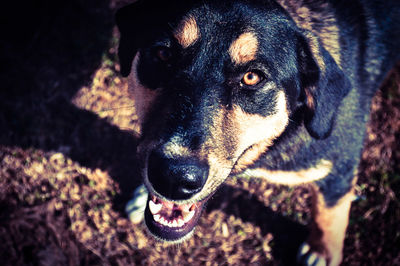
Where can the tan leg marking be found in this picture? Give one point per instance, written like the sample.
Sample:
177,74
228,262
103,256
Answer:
329,226
244,48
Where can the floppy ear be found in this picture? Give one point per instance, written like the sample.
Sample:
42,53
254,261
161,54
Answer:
324,85
142,21
130,21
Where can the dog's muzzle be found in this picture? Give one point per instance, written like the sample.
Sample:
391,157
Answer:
176,179
173,180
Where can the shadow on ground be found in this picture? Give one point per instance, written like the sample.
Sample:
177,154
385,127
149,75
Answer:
52,49
287,234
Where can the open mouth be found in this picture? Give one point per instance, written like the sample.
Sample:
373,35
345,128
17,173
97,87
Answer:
170,221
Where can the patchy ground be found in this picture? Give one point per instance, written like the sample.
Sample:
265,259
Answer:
67,166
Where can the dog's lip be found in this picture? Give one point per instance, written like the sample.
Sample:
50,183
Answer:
169,221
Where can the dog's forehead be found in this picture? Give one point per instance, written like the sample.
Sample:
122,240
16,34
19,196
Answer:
242,48
237,28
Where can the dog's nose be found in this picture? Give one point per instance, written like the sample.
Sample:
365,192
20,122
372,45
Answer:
176,179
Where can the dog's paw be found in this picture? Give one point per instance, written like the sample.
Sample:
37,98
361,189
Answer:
136,206
306,256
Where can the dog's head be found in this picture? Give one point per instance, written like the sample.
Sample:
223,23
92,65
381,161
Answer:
215,83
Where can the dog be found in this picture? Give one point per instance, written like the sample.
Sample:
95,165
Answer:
273,89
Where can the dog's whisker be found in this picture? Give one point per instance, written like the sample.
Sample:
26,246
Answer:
117,108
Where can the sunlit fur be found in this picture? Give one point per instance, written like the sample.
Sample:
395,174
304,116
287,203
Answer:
244,48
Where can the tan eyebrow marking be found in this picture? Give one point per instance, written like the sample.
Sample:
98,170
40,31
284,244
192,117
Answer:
187,32
244,48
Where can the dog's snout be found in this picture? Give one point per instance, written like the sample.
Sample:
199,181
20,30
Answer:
176,179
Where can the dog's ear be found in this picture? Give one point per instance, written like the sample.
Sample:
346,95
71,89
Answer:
323,84
131,23
140,22
127,18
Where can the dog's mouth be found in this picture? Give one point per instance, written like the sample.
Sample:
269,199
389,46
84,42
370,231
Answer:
170,221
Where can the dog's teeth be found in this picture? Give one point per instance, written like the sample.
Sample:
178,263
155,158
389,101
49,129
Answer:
187,207
156,218
187,211
175,223
180,223
168,223
165,222
189,216
154,207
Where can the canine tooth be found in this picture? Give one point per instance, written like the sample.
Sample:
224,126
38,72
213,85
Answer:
156,218
187,207
154,207
189,216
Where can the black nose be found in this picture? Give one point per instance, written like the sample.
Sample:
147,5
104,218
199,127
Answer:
176,179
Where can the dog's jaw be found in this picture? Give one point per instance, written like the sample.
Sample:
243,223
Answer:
169,221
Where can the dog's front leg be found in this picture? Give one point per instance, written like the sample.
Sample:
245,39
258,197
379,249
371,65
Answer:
136,206
328,228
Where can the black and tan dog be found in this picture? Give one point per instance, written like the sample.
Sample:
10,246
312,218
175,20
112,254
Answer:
270,89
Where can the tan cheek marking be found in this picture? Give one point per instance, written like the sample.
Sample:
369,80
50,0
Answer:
303,176
143,97
244,48
233,132
253,128
258,131
187,32
329,225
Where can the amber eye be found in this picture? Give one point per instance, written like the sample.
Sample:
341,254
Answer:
251,78
164,53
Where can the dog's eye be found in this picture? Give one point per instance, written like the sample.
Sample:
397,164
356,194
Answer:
164,54
251,78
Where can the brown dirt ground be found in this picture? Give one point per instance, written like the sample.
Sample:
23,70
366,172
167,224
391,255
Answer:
67,142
